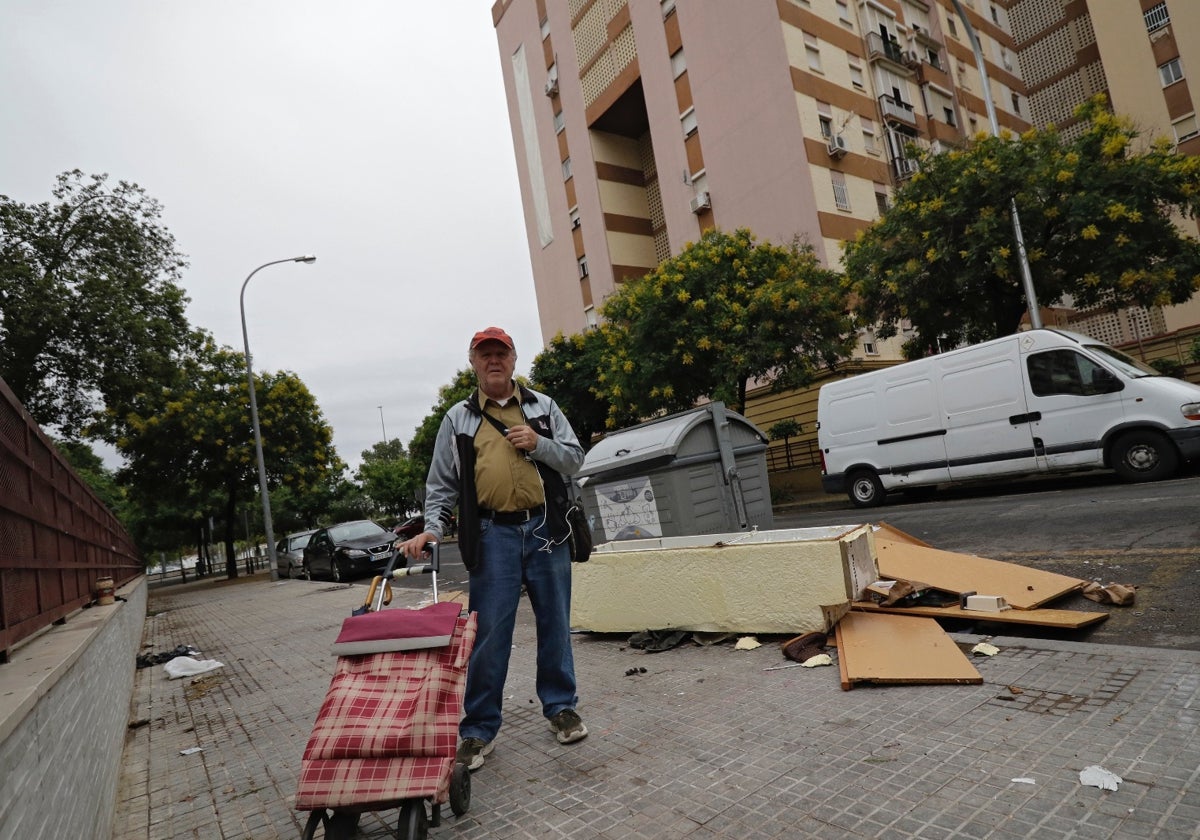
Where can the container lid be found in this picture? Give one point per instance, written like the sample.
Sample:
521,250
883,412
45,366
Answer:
659,442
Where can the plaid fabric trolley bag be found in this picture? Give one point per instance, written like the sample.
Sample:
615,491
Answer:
387,731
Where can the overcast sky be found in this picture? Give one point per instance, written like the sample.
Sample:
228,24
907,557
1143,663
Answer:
371,133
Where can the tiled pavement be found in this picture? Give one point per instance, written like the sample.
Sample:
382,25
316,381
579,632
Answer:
706,743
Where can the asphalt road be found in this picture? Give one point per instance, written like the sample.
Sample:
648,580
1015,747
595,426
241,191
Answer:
1091,527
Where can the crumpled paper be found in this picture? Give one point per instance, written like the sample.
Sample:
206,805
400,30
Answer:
1120,594
747,643
1096,776
185,666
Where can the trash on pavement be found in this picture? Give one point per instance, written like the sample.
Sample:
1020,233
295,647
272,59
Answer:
191,750
1024,780
984,603
1096,776
984,649
747,643
654,641
185,666
884,648
815,661
1120,594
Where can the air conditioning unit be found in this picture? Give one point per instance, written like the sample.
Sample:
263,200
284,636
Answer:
552,86
905,168
701,201
912,58
837,146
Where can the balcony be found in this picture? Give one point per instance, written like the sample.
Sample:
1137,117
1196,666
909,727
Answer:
879,48
895,109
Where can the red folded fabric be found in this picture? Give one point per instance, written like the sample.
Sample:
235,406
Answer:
388,630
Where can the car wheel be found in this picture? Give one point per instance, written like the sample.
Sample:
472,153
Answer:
865,489
1144,456
339,576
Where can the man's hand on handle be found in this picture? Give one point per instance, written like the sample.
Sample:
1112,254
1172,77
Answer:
413,548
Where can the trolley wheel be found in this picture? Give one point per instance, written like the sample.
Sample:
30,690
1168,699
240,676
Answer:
414,822
326,824
460,789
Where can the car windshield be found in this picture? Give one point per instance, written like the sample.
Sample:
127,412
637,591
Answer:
1127,365
356,530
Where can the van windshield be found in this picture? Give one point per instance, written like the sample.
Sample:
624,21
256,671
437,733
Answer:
1127,365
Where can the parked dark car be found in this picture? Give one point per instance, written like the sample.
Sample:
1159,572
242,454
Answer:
348,549
409,528
289,553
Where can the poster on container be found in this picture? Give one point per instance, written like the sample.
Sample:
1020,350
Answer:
627,509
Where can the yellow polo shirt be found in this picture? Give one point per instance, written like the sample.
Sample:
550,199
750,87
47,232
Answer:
504,480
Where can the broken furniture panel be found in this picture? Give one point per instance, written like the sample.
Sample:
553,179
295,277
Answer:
1061,619
781,581
884,648
1022,588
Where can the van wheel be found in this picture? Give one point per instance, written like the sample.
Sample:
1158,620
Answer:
1144,456
865,489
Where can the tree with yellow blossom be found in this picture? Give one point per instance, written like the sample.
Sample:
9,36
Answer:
1097,213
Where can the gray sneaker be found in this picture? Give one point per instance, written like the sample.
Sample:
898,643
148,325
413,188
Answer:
567,726
472,751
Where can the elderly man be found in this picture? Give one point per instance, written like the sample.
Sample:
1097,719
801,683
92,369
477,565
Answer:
503,456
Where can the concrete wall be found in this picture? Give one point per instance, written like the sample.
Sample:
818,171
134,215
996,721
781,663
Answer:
64,712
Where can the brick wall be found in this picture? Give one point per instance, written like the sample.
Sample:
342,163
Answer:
60,753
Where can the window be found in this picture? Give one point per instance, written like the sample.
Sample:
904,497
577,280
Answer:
573,215
566,169
1171,72
841,195
1185,129
1016,103
668,6
995,15
558,121
813,50
870,144
869,348
843,9
951,26
589,316
545,28
948,115
1058,372
881,199
1156,17
688,122
583,268
856,75
678,64
826,127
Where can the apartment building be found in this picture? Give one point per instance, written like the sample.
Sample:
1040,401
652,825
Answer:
1138,54
638,124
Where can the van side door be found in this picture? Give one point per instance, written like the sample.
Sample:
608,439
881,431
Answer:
1074,401
983,398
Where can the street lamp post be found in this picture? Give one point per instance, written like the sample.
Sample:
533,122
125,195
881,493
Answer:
1035,313
258,447
381,425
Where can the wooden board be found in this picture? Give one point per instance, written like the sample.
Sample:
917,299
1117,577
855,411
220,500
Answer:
884,531
882,648
1063,619
1023,588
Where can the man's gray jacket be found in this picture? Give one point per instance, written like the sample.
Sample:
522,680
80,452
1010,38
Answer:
451,478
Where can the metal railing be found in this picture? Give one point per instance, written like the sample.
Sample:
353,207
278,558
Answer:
56,537
795,455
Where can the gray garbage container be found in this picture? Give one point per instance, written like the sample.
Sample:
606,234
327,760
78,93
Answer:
702,471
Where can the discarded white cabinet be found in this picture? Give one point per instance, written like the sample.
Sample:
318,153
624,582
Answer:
791,581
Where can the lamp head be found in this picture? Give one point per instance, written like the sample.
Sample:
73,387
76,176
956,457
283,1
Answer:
307,258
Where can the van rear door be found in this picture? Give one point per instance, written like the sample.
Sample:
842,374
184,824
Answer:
987,419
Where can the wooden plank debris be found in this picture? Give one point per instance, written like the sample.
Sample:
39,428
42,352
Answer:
883,648
1022,588
1062,619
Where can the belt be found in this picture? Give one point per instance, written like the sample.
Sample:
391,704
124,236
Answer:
511,517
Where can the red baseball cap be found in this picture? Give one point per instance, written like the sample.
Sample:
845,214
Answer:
492,334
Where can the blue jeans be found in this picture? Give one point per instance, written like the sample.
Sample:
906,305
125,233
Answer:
509,556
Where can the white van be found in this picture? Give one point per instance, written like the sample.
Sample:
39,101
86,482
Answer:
1035,402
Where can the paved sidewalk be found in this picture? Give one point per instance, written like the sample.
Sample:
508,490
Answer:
705,743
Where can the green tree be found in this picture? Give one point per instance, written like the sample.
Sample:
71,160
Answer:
189,438
724,311
89,302
785,430
1095,217
420,448
389,479
568,370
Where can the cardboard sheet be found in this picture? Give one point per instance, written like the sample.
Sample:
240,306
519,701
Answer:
1023,588
882,648
1063,619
